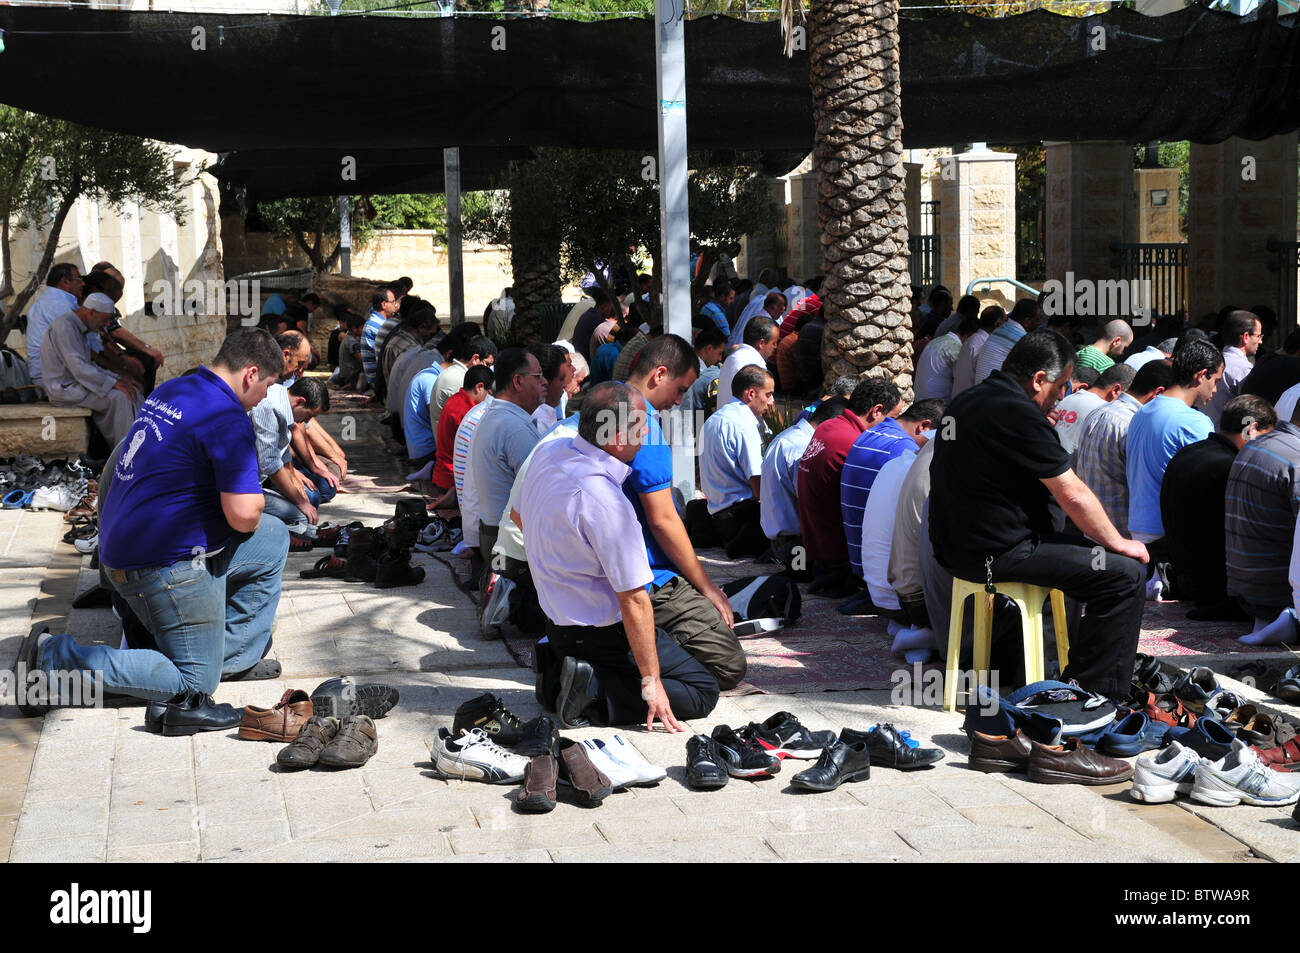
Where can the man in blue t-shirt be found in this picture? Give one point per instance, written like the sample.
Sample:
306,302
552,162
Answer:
183,541
687,604
1163,427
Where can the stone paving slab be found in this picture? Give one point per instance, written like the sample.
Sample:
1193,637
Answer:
91,785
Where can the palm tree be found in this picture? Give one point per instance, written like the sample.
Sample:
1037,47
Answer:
854,47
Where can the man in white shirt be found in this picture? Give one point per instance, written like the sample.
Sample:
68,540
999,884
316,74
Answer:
761,339
1159,352
592,584
558,371
73,379
731,462
963,371
1025,317
63,286
1072,412
934,370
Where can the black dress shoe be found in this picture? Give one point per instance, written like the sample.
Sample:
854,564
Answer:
153,717
546,669
575,695
34,705
839,763
888,749
192,712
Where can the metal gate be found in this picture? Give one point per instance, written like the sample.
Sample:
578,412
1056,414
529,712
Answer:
923,249
1160,268
1285,261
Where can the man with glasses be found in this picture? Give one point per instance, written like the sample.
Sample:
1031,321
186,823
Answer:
1242,334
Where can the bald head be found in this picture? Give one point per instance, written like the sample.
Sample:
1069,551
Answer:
1116,338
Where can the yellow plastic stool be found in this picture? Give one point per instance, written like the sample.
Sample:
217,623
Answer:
1030,601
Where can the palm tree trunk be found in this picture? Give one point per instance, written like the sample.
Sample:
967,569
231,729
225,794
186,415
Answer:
861,211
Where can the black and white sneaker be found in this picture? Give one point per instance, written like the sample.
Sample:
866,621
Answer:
705,767
744,759
783,736
490,714
472,755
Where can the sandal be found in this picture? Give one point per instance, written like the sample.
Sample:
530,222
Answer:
299,544
327,567
79,523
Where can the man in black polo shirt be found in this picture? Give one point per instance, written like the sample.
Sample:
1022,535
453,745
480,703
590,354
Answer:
999,480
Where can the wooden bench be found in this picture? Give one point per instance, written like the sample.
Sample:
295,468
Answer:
43,430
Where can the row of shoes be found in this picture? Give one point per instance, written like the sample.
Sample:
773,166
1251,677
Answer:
83,534
475,748
68,486
757,749
1070,762
591,770
379,555
1240,776
1284,683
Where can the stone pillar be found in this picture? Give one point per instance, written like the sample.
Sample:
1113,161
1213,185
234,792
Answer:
1157,205
131,262
912,187
978,225
805,254
1089,205
1242,194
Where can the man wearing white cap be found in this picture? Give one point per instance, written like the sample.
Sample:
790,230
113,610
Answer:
72,379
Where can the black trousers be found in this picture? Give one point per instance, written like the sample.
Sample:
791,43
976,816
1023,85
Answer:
739,529
692,691
1104,643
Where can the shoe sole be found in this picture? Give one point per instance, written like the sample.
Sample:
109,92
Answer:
257,734
754,772
905,767
567,673
335,763
1217,797
535,804
373,699
1159,793
998,767
181,731
1060,777
861,774
468,771
703,784
27,653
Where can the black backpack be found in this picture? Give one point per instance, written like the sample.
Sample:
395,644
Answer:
765,597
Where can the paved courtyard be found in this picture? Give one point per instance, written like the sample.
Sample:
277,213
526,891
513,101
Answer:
92,785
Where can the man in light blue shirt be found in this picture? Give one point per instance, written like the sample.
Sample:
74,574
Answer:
731,462
1163,427
1024,317
421,444
779,505
62,293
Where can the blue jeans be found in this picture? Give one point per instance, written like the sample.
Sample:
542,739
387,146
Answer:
210,617
283,510
324,491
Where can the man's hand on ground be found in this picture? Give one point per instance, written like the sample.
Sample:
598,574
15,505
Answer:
328,476
658,708
1131,547
721,603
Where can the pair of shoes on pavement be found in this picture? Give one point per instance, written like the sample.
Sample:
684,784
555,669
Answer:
1068,763
593,769
1239,777
332,743
851,756
189,713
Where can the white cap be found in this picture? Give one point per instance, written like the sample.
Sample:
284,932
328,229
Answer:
99,302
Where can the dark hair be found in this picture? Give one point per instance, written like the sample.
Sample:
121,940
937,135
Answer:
937,290
772,297
749,376
1241,411
758,330
454,341
310,298
1292,343
969,304
712,337
1237,324
722,287
352,320
551,357
103,266
478,374
60,272
102,282
1192,357
1039,350
843,386
829,408
667,350
511,361
930,409
769,277
1085,375
605,399
600,296
1026,309
424,318
744,284
479,344
991,317
404,283
380,296
315,393
251,346
969,324
941,301
1116,374
872,391
289,341
1150,376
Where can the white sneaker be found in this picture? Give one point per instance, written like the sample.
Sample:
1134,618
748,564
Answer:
1239,777
475,757
87,545
59,497
619,749
1165,774
620,775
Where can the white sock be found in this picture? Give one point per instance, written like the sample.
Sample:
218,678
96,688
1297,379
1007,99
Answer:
1154,588
910,639
918,655
893,628
1282,629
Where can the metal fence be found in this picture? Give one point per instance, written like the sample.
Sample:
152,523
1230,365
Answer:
1159,270
923,248
1285,261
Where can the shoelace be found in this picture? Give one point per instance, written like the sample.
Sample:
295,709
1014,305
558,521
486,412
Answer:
477,738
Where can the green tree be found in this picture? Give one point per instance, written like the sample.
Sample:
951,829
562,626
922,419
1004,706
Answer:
49,164
313,225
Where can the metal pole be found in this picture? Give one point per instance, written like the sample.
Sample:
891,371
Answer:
455,264
674,211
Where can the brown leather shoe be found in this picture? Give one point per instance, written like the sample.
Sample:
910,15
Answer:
281,723
353,746
998,753
1073,763
538,793
590,786
311,741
